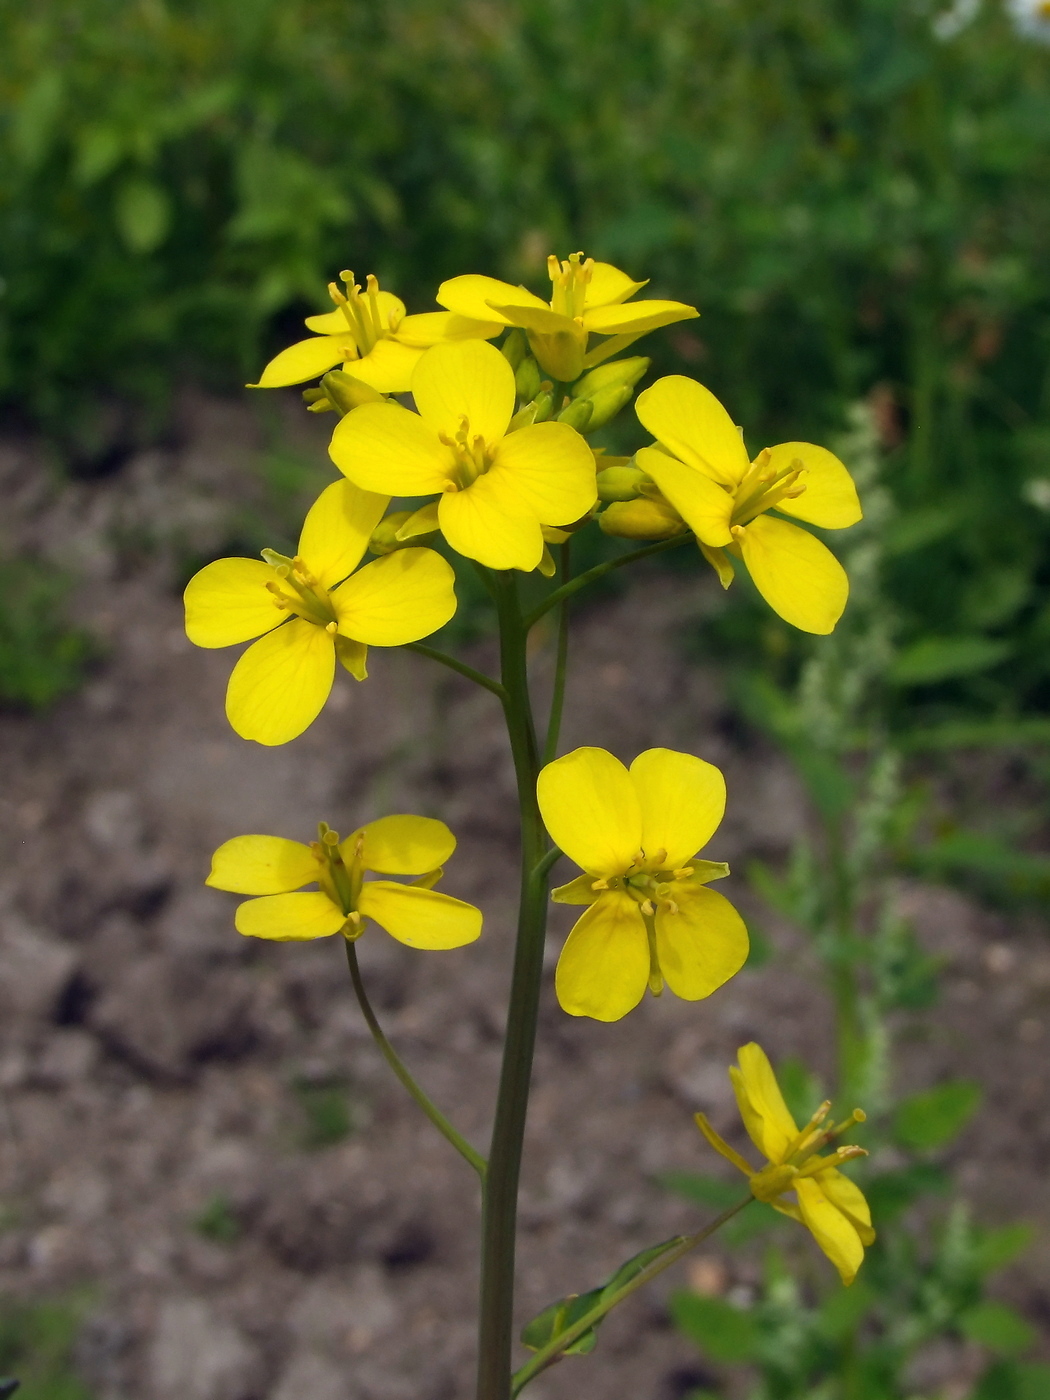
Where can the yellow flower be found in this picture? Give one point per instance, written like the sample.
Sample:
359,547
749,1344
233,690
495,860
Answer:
587,298
651,919
702,469
830,1206
280,684
371,337
415,913
497,488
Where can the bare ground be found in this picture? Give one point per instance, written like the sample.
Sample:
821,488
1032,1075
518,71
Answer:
154,1066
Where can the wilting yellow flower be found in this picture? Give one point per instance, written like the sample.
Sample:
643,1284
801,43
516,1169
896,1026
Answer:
651,918
416,914
702,469
497,488
830,1206
587,298
371,337
280,684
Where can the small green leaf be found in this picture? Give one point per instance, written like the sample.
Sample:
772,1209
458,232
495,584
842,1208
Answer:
997,1327
933,659
933,1118
722,1332
996,1248
1009,1380
843,1309
143,214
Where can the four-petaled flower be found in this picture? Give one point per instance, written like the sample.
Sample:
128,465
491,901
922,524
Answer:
416,914
702,469
371,337
587,297
279,686
830,1206
498,489
651,918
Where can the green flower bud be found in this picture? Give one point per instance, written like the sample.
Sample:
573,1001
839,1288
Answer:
515,348
641,520
577,413
607,403
527,379
613,373
345,392
620,483
384,537
544,403
317,401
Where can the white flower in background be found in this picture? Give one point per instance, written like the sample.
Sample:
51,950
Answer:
1032,17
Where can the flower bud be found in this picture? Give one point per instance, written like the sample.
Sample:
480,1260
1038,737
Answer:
317,401
620,483
607,403
514,349
384,537
527,379
544,402
578,413
345,392
614,373
642,519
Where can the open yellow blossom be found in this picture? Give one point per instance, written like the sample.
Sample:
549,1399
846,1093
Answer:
701,467
306,618
370,335
651,918
416,914
497,489
587,298
830,1206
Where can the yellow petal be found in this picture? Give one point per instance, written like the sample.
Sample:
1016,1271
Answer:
849,1199
799,577
578,891
830,498
491,526
721,1146
289,917
590,807
308,359
705,506
682,801
636,317
383,447
759,1083
603,970
352,656
464,379
391,313
403,845
689,420
470,296
329,323
720,562
432,327
388,366
540,319
227,602
702,945
280,684
337,529
421,918
262,865
399,598
609,286
831,1230
549,469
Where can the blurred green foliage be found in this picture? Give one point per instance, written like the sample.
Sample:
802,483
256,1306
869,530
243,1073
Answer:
36,1345
42,657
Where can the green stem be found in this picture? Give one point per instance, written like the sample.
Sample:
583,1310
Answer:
393,1060
553,599
554,1349
461,667
499,1223
550,748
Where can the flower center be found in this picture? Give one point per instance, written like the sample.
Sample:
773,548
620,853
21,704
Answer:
340,880
296,590
363,316
762,488
570,281
471,456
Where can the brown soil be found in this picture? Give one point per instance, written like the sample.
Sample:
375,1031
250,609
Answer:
152,1063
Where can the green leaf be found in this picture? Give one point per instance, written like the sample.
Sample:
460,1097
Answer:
1009,1380
842,1311
997,1248
722,1332
933,659
143,214
933,1118
892,1192
997,1327
560,1316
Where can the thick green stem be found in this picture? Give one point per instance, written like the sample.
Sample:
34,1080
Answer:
554,1350
499,1224
550,748
566,590
393,1060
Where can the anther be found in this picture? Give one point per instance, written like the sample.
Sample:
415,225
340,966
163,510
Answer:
599,884
332,628
647,906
